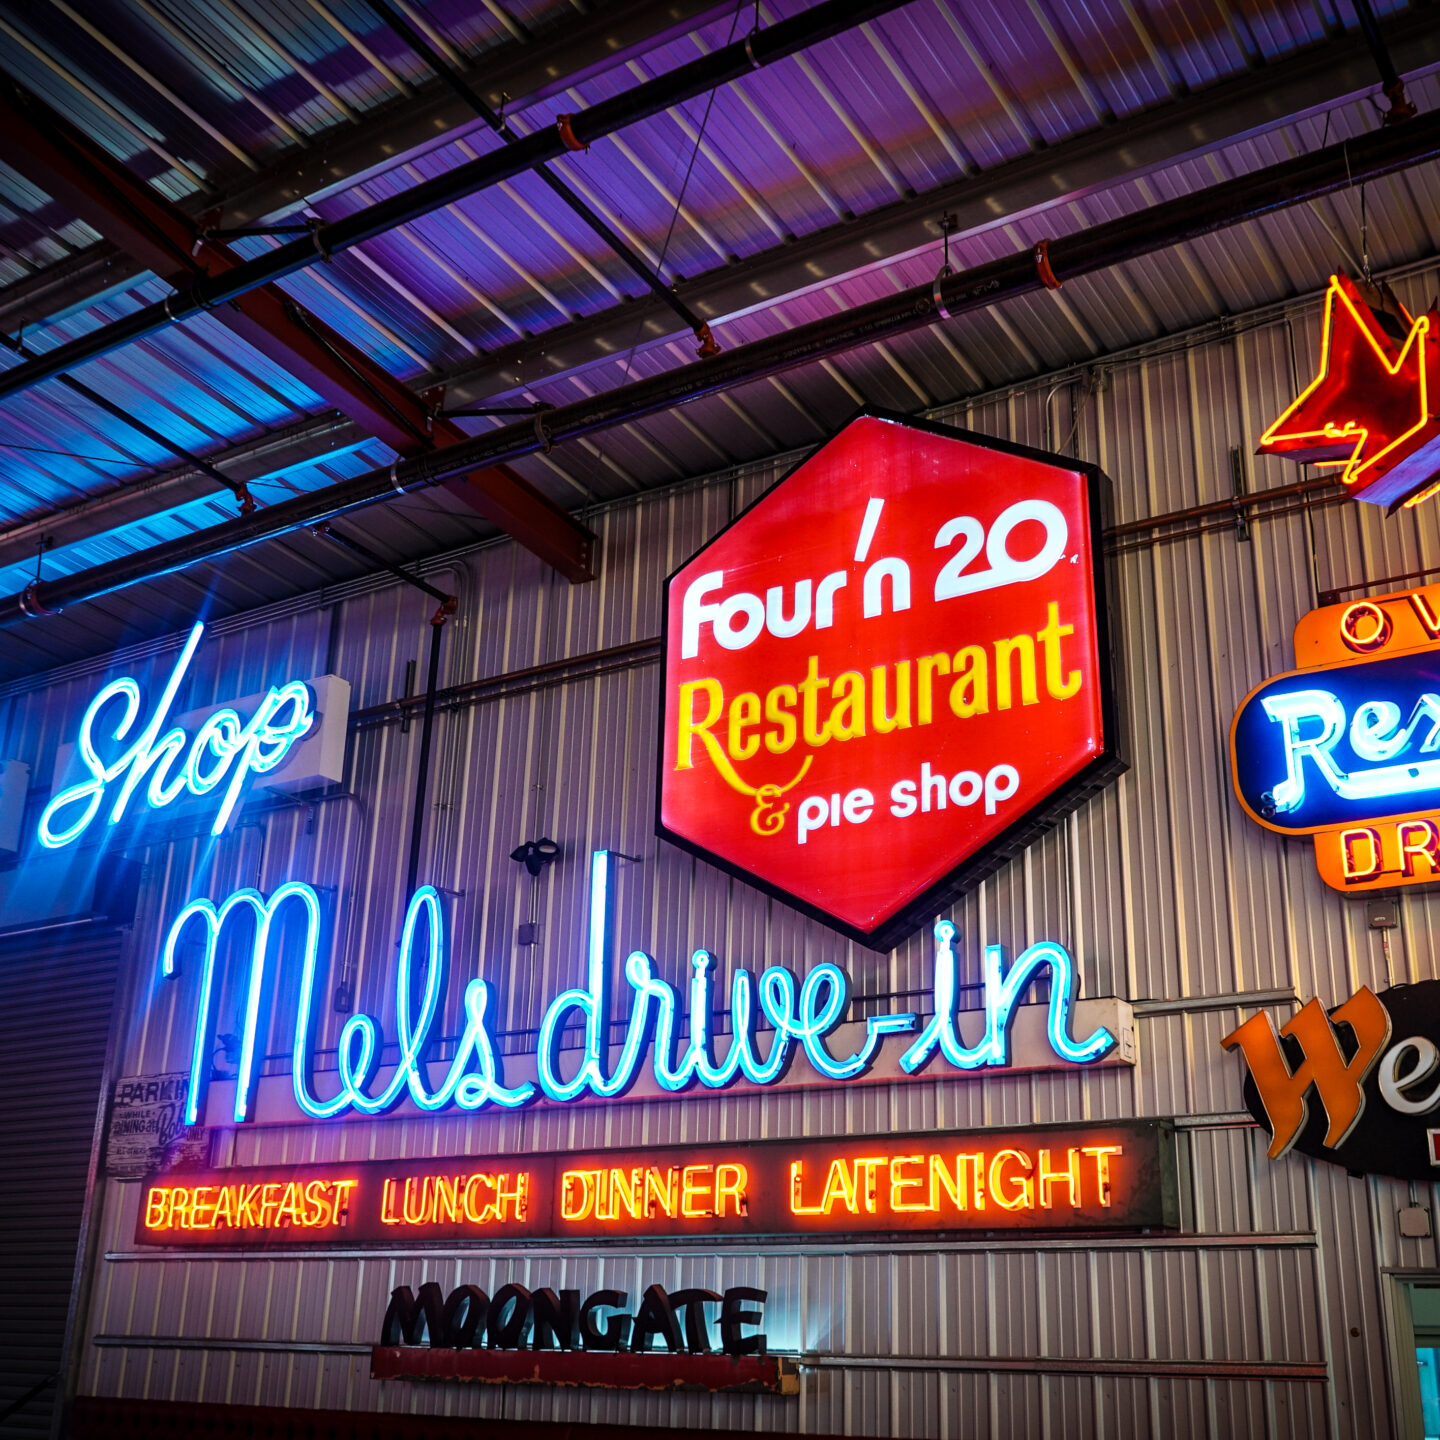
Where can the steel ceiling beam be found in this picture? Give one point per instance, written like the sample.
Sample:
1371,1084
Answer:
1232,202
652,279
507,78
570,132
510,77
112,200
1311,80
1221,114
1305,82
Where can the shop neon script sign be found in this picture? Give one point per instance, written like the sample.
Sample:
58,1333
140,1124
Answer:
165,764
801,1015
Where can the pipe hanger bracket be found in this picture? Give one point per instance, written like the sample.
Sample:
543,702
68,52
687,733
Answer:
565,125
1042,266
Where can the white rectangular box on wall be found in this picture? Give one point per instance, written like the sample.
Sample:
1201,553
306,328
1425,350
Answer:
318,759
14,786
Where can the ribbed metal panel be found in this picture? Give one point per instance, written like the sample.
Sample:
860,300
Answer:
865,121
1159,884
54,1027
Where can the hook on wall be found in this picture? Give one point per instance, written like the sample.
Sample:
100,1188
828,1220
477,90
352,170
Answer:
536,856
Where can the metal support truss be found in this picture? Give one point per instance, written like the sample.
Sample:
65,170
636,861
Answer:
112,200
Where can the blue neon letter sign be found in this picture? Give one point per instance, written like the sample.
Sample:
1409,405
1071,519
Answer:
1341,744
802,1016
223,751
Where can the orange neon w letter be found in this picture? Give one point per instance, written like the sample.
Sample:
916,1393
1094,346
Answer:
1339,1083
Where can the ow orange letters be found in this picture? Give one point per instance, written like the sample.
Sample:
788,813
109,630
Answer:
1339,1083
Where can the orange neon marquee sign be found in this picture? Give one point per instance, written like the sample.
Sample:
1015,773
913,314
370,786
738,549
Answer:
1371,410
479,1198
256,1207
1117,1175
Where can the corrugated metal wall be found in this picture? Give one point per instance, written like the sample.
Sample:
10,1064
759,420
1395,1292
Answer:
1263,1318
53,982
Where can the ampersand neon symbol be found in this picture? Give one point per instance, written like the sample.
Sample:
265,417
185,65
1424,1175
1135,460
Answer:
767,818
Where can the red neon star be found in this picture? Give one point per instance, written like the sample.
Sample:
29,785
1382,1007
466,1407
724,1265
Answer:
1370,408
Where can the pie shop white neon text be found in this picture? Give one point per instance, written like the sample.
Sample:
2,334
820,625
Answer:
802,1016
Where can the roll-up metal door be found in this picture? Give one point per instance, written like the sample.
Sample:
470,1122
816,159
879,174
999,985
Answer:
55,1002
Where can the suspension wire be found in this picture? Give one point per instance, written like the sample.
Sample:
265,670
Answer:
497,122
685,183
1364,238
303,320
237,487
70,454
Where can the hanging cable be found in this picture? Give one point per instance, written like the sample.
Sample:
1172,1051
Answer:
1364,239
948,225
77,387
497,122
427,728
708,344
302,318
30,597
445,609
66,454
1402,108
326,531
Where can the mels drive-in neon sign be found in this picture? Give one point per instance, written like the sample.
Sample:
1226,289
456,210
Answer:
889,673
775,1017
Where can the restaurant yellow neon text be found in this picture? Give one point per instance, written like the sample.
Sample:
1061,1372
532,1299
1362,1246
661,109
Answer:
1015,680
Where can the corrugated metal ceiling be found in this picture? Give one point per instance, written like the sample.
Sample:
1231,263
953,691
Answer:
203,98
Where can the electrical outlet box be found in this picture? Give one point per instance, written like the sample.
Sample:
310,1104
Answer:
1383,913
1415,1222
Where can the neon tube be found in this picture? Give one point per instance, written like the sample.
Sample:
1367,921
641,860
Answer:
224,749
804,1016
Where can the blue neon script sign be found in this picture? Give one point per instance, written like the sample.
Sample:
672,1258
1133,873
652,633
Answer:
1342,743
802,1016
221,753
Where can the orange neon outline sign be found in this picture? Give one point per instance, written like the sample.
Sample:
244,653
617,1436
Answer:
1111,1175
1278,439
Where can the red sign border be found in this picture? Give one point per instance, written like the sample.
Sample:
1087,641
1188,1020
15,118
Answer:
1030,826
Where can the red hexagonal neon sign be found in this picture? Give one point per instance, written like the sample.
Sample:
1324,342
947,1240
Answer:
889,673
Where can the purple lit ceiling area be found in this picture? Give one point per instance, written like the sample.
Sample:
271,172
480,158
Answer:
155,146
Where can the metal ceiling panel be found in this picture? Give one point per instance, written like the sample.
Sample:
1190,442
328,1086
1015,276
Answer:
856,123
